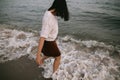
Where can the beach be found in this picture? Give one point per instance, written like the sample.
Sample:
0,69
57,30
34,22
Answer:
89,42
21,69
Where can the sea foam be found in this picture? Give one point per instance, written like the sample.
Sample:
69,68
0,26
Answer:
14,44
84,60
80,60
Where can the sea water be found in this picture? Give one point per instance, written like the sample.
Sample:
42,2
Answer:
80,59
89,42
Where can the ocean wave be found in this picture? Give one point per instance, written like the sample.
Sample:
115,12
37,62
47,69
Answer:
84,60
81,60
14,44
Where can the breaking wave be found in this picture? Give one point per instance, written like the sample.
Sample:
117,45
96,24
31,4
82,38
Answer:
14,44
81,60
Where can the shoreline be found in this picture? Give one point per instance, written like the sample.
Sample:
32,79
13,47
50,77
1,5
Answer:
21,69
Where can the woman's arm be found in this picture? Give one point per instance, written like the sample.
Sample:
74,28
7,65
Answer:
40,46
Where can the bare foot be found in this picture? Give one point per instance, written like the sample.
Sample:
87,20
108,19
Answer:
42,61
43,58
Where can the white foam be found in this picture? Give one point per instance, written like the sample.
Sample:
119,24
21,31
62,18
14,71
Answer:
83,63
15,44
81,60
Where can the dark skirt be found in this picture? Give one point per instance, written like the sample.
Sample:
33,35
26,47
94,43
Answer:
51,49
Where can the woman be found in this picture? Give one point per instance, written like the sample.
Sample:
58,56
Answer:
49,32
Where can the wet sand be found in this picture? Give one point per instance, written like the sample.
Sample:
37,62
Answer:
21,69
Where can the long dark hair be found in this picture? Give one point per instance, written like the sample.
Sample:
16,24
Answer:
61,9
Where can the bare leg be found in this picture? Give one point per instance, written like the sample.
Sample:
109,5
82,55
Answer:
43,58
56,63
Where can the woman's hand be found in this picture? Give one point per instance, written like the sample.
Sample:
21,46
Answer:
39,59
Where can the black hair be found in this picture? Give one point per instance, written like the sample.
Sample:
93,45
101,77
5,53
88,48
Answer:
61,9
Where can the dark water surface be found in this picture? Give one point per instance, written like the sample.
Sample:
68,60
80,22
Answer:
89,19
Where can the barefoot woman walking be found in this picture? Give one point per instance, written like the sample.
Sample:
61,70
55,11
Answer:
49,32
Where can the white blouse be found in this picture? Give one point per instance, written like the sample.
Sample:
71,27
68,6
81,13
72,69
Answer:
49,26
